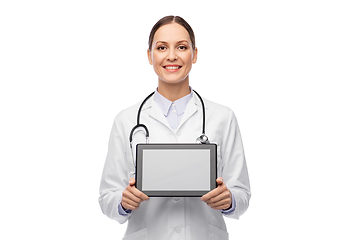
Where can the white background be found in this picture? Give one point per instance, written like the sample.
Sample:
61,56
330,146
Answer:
289,70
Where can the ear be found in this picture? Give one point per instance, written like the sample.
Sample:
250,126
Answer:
195,55
149,57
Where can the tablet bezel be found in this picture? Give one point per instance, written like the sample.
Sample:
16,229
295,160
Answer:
190,193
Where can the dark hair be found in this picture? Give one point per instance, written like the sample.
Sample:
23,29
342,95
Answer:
172,19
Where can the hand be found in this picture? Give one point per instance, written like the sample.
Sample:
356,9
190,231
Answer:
220,198
132,197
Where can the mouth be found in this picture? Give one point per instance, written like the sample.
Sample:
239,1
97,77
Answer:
172,68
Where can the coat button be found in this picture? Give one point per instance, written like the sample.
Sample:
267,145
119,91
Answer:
178,229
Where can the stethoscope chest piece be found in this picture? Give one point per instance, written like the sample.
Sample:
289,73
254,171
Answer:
203,139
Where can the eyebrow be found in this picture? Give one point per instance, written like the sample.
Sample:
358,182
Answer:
176,42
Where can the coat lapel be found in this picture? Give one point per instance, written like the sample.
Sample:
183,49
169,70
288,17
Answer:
191,109
156,113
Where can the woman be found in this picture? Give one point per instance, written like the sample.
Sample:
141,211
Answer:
174,114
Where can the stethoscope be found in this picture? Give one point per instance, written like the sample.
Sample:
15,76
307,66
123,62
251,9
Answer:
202,139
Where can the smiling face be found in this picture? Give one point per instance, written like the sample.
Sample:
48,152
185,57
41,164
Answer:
172,54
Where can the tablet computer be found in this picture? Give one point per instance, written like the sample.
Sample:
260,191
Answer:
176,170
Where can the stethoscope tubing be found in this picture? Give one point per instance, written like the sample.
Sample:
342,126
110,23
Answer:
138,121
203,138
203,108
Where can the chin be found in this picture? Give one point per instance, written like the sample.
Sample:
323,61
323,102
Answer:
173,81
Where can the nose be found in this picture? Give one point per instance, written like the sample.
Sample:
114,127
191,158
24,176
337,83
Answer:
172,55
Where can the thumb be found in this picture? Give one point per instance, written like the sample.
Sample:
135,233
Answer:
132,181
219,180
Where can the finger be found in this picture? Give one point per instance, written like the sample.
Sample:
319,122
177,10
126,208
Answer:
129,206
138,193
225,201
129,195
132,181
214,193
220,188
226,194
211,194
130,202
135,191
134,194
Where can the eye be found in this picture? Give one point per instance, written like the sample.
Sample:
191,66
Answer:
182,47
161,48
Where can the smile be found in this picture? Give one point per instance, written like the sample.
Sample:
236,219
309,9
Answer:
172,67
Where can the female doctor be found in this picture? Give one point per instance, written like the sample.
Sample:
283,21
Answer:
174,114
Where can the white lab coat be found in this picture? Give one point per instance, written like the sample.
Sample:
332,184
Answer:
165,218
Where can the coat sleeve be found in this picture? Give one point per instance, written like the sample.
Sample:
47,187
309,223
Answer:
235,173
116,173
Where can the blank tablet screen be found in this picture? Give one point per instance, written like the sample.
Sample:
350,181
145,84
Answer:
176,169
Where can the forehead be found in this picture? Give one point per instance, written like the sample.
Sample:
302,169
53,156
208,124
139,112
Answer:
171,33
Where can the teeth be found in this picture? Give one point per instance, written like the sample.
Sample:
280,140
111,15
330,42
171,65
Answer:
172,67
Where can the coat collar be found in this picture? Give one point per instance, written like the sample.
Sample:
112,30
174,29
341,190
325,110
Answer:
155,112
178,105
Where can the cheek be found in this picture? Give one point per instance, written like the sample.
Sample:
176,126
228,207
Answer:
188,58
157,60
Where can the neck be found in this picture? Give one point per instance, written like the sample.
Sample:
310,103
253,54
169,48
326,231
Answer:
174,91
